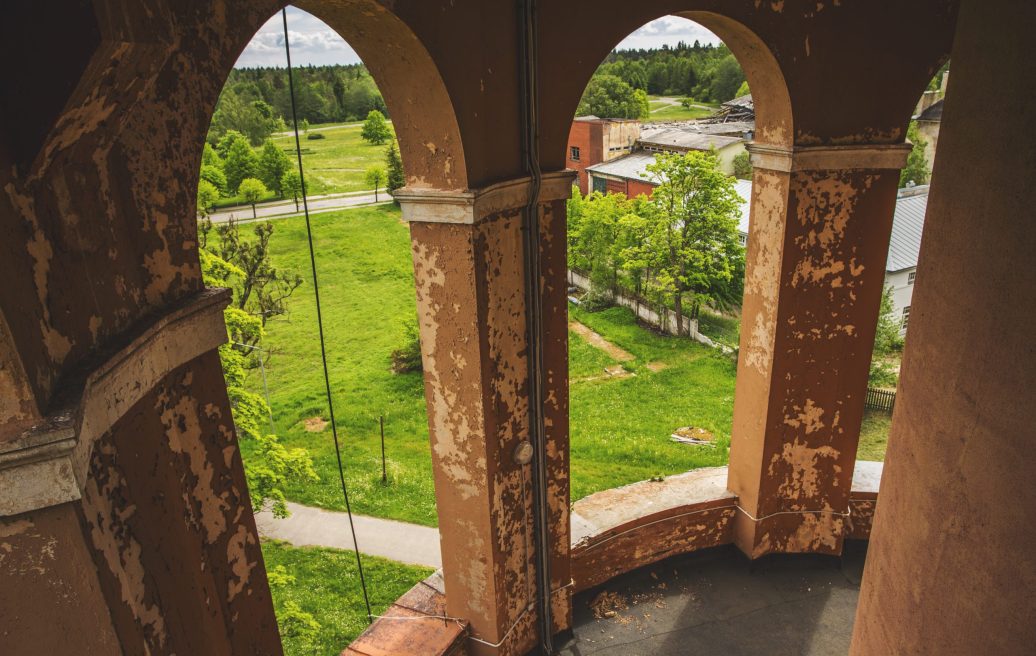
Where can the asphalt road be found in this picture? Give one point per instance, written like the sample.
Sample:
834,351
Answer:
282,209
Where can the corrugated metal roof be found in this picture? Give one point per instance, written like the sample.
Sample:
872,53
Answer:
628,166
907,224
744,190
686,139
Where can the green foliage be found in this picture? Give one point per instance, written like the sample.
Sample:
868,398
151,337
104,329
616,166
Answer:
394,166
252,191
324,585
742,90
291,186
887,341
273,464
743,166
726,79
207,197
375,129
408,357
240,161
608,96
255,119
314,136
917,168
209,156
273,164
213,174
375,177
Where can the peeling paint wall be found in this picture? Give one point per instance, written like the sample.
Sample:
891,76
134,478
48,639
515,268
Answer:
169,525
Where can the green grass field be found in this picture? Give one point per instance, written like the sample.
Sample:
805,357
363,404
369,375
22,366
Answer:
661,110
337,163
327,587
620,427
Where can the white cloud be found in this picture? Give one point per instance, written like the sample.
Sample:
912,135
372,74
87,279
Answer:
312,42
668,30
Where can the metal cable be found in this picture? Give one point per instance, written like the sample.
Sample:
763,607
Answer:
320,319
529,76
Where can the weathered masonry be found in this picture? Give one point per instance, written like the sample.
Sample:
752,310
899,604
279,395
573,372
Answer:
125,525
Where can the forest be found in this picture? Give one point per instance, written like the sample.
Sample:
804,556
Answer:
704,72
256,101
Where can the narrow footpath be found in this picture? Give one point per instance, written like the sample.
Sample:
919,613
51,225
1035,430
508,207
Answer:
315,527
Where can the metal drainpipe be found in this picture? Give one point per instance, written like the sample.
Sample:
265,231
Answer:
529,77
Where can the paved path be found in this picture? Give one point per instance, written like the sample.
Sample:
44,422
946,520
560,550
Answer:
317,204
399,541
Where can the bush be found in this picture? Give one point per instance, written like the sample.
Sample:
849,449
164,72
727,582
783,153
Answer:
597,299
408,357
315,135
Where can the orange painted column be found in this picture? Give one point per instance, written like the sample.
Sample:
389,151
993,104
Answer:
468,265
821,220
951,568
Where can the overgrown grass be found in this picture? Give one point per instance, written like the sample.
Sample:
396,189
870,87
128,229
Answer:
726,330
620,427
338,162
367,290
874,435
676,113
327,587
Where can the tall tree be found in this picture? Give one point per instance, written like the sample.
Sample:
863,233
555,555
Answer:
375,129
394,166
252,191
273,163
608,96
240,161
917,168
375,178
291,186
692,231
207,197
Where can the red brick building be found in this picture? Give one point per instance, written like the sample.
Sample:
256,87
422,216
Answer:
593,140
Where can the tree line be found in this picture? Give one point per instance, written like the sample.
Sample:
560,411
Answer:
257,101
678,247
621,84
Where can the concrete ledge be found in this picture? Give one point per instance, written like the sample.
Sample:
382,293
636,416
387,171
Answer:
468,207
829,158
415,624
47,464
620,530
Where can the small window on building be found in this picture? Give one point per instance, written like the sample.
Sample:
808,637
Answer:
575,154
742,239
600,184
910,277
906,318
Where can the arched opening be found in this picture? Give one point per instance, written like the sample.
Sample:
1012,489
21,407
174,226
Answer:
362,135
655,318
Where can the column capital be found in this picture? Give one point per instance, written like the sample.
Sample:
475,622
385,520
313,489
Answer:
827,158
470,206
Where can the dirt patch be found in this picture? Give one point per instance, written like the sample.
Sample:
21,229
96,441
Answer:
595,340
693,435
656,366
315,424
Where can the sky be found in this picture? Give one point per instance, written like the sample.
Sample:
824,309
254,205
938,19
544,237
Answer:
313,42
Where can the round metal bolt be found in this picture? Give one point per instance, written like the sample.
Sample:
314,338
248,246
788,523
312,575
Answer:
523,452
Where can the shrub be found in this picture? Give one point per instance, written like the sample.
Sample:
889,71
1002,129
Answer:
408,357
315,135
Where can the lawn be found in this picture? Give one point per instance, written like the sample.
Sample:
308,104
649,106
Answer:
327,587
874,435
662,110
620,426
338,162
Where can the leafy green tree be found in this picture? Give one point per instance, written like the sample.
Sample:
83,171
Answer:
742,90
272,465
726,79
256,119
375,129
209,156
743,166
394,166
207,197
917,168
691,239
375,177
214,175
608,96
240,161
291,186
887,341
252,191
273,164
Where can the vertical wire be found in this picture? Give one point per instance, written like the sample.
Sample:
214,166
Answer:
320,319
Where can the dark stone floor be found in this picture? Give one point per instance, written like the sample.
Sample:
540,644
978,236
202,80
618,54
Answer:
718,602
